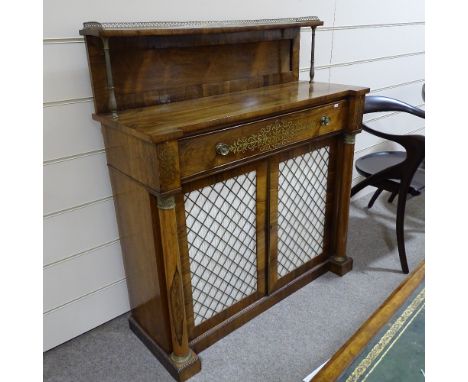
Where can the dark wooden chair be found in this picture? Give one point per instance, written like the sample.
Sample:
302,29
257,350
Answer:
398,172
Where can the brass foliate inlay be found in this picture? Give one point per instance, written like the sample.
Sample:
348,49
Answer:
384,343
277,134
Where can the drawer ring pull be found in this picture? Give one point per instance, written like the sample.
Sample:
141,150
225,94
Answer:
325,120
222,149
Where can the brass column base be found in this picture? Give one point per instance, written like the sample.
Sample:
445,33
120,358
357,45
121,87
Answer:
340,265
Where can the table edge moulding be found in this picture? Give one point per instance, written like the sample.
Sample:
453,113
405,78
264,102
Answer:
215,109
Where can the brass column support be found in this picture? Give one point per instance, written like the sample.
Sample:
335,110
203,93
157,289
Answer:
181,355
340,263
312,58
110,81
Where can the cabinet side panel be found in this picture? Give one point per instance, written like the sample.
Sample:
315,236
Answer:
132,156
97,71
142,257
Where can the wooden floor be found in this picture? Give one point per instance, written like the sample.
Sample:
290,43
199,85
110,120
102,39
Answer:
354,346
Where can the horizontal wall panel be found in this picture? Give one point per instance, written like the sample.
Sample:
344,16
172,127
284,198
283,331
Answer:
69,130
368,43
80,275
380,73
321,75
65,72
79,230
73,14
73,182
398,123
360,12
73,319
409,93
323,43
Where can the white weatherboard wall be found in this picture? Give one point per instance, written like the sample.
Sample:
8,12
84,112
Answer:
363,42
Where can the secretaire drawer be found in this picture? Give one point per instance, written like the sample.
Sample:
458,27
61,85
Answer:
214,149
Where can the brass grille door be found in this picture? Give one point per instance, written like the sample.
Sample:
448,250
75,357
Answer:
299,208
223,246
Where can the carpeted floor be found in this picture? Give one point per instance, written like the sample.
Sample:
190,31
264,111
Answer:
286,342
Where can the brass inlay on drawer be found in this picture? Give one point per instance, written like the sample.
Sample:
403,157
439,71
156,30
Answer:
218,148
279,133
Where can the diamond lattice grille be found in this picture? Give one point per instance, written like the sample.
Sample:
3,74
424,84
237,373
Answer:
301,208
221,234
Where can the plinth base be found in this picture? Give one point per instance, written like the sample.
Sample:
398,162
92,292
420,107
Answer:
180,371
340,265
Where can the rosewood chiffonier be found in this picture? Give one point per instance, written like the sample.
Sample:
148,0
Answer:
231,177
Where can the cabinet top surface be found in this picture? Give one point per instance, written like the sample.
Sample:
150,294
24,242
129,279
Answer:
197,27
174,120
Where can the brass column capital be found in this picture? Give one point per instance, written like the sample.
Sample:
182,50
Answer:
166,202
349,139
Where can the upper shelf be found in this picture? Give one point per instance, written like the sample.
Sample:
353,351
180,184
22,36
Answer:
191,27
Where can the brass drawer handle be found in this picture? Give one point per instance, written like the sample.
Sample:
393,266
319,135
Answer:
222,149
325,120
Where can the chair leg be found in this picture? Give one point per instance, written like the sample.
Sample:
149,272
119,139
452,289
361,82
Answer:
400,229
374,179
374,197
392,197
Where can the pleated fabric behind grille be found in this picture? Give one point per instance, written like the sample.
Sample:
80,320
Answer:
301,208
221,234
